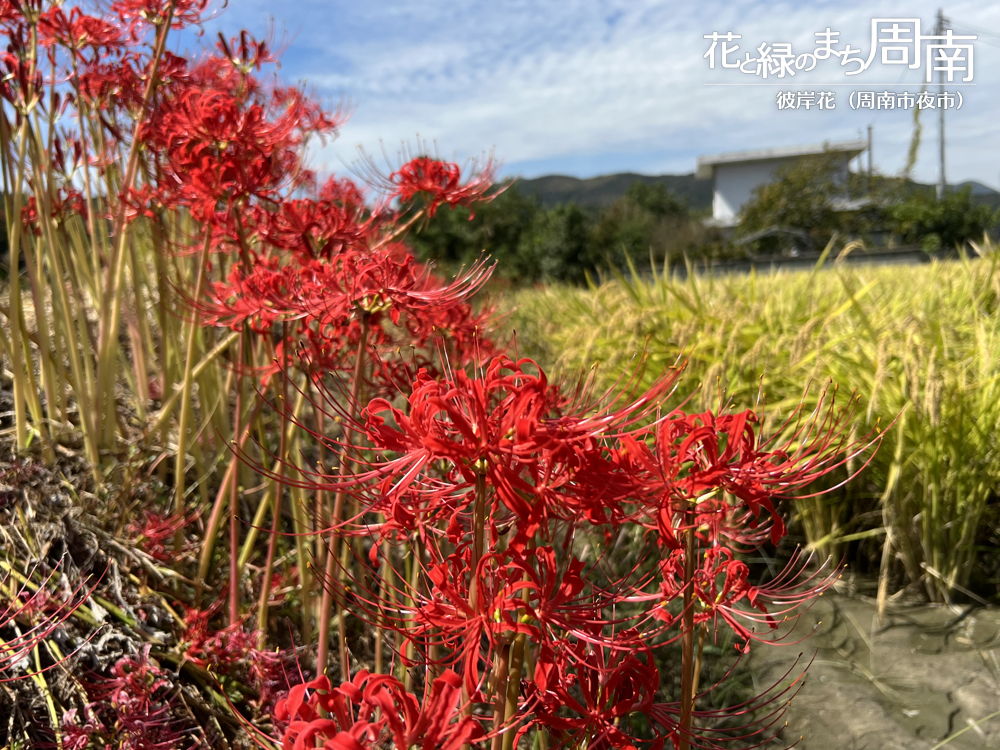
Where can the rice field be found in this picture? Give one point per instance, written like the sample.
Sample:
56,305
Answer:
917,346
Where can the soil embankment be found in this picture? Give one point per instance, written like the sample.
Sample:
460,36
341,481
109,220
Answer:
907,682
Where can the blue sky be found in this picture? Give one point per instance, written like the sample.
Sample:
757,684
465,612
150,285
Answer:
589,88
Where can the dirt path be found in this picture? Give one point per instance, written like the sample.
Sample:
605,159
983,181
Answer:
913,680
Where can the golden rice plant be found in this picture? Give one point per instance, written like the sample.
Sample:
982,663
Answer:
918,344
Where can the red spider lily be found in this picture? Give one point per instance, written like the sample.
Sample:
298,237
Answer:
112,88
218,151
372,709
135,684
446,618
467,421
437,723
329,294
697,457
553,596
389,279
234,650
11,12
319,229
76,736
255,299
77,30
549,462
611,688
245,52
506,425
132,706
224,142
140,202
590,695
220,650
66,203
141,14
440,183
401,304
157,532
718,585
433,339
443,619
341,192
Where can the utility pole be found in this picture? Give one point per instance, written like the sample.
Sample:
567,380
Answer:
870,172
939,31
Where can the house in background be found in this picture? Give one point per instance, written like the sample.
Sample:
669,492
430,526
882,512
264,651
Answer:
736,175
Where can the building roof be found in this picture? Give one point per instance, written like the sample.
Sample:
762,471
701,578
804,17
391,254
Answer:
707,164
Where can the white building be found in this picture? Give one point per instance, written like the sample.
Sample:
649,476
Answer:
736,175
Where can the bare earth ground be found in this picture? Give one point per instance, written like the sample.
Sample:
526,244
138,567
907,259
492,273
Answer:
910,681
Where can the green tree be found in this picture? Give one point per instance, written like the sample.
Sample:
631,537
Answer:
647,219
800,197
657,200
558,247
562,244
803,196
946,223
458,236
529,243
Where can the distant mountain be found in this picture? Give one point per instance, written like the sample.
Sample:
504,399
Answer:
980,193
978,188
598,192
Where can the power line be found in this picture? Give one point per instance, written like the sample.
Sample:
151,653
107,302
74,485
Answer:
995,42
977,29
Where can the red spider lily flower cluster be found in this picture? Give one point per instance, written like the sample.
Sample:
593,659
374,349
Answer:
490,482
134,684
66,203
478,507
209,138
386,287
77,31
370,711
440,183
223,142
219,650
155,534
132,708
328,270
334,271
234,651
143,13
